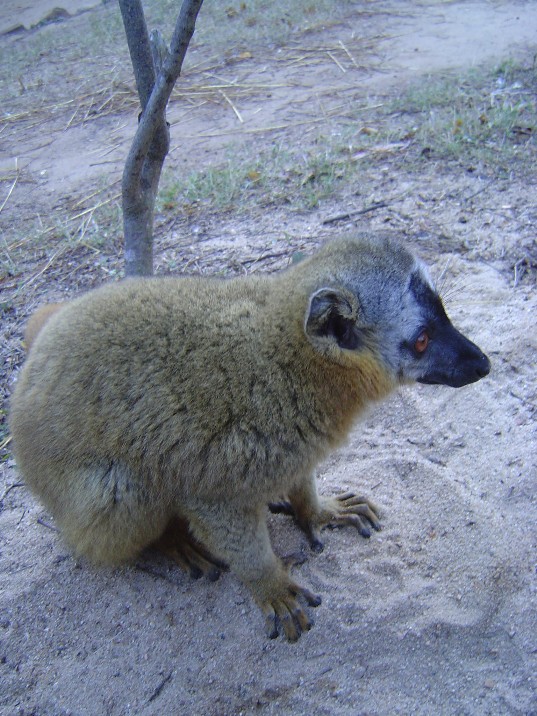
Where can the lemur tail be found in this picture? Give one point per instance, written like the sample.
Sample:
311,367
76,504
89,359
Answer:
37,321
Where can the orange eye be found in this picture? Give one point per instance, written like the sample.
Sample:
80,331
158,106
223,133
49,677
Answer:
422,342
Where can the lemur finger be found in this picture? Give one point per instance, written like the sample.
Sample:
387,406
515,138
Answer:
283,507
350,498
352,519
199,564
288,617
196,552
184,563
315,541
302,619
313,600
294,559
287,622
364,511
271,623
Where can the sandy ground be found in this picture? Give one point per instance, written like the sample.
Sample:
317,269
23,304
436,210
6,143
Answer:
19,15
436,614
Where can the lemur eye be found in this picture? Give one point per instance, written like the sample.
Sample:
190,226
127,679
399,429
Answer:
422,341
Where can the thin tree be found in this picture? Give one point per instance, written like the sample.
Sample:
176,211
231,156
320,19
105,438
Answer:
156,69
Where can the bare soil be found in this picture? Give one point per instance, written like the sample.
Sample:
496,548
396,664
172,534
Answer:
436,614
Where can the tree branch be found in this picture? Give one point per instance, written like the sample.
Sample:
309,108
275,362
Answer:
132,13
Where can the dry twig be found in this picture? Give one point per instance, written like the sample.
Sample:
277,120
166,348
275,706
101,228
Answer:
224,95
9,488
356,212
10,192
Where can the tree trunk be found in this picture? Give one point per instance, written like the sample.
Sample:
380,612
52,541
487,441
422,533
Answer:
151,143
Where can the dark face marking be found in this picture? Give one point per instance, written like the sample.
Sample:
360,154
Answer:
449,358
429,301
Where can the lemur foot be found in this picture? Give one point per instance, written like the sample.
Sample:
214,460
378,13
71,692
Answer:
351,509
284,612
338,511
178,544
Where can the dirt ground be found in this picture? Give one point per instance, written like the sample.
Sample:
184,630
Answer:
437,613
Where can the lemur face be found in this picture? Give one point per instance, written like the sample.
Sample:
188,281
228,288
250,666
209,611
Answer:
382,299
433,351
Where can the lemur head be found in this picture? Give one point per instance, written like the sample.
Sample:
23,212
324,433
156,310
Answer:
378,296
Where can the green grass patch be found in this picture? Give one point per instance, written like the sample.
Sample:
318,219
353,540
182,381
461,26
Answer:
480,118
298,178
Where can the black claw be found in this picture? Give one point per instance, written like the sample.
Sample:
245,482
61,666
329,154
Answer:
317,546
219,564
271,628
195,572
295,559
313,600
365,532
282,507
213,574
303,621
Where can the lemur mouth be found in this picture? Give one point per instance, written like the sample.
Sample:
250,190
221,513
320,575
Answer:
460,375
428,381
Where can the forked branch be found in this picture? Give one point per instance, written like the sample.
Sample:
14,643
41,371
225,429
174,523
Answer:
151,142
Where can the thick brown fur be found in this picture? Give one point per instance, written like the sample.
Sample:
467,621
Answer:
198,400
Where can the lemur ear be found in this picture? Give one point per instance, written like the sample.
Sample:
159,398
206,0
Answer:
332,314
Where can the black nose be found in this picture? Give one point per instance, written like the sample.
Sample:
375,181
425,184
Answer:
483,368
454,360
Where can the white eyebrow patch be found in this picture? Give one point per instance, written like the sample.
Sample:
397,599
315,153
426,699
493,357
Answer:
424,273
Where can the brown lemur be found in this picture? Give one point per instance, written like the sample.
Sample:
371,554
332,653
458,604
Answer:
173,410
